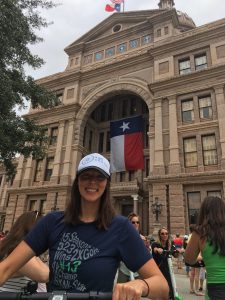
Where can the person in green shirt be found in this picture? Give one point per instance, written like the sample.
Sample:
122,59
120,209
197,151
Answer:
208,239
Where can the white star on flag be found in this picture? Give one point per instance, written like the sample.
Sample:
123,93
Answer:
125,126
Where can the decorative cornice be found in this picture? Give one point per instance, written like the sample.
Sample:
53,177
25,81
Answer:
196,81
33,190
188,178
59,113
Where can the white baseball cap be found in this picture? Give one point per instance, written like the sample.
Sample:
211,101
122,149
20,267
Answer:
94,161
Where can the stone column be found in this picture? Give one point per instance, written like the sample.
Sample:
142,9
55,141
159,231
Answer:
66,175
220,102
19,171
159,161
174,165
58,153
28,172
3,190
176,209
135,202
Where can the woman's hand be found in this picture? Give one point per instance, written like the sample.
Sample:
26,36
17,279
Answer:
158,250
132,290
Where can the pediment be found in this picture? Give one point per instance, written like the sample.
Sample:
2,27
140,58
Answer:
117,22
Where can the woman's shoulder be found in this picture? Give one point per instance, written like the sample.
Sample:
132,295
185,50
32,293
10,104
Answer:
54,216
119,219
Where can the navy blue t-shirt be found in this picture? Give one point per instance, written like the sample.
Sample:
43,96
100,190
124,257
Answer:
83,258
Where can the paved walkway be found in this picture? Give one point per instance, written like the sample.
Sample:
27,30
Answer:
183,287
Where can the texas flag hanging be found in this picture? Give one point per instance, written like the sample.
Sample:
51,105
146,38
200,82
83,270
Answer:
126,138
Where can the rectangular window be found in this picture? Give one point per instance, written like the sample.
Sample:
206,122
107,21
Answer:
42,207
201,62
88,59
32,205
166,30
131,175
122,176
49,168
190,152
110,52
146,39
187,108
214,194
209,150
158,32
205,107
134,43
99,55
194,203
53,136
38,171
101,142
185,66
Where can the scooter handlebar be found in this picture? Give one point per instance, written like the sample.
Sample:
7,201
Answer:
57,295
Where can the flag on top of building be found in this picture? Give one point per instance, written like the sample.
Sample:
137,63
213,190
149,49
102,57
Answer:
114,6
126,140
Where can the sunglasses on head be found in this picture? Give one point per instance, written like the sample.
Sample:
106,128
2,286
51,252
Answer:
135,222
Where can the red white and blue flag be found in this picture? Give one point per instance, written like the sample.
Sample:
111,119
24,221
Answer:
115,6
126,139
112,7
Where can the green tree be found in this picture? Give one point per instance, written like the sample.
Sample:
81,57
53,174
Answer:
19,22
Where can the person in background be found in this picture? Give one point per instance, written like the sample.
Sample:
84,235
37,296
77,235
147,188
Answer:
185,242
194,273
160,256
202,277
124,274
34,266
87,242
208,238
178,243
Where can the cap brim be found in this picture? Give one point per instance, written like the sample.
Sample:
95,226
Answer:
95,168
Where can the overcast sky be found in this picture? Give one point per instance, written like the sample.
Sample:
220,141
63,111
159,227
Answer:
73,18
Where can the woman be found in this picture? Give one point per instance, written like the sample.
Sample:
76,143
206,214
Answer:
124,274
208,239
87,242
135,220
160,256
34,266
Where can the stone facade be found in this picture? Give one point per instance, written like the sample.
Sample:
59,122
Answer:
156,63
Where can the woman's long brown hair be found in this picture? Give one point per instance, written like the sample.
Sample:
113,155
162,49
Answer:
18,231
211,223
73,209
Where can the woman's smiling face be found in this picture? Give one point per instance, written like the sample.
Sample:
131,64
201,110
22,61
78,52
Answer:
91,185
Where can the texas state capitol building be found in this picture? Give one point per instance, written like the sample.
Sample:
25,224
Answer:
156,63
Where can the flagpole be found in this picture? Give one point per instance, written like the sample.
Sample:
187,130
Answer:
123,5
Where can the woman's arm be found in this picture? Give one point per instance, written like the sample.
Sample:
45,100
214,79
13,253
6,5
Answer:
36,270
158,287
15,261
193,249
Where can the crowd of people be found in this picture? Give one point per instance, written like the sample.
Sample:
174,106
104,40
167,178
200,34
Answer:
89,245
